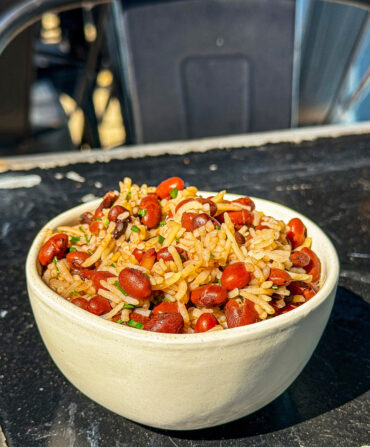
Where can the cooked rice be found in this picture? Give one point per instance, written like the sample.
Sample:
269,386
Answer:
209,250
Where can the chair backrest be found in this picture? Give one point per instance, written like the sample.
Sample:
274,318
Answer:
198,68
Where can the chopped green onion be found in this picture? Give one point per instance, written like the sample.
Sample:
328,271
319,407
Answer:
135,229
90,252
161,239
211,256
72,249
135,324
142,212
112,265
55,260
182,257
146,275
98,218
86,237
128,306
73,292
162,223
106,223
274,287
174,192
219,281
128,195
218,227
166,299
177,239
120,321
75,239
117,284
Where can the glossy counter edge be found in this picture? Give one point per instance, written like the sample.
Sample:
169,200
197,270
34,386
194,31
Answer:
56,159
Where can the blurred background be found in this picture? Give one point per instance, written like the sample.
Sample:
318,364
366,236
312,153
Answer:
132,72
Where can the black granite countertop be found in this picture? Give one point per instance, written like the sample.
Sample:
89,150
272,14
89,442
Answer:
328,405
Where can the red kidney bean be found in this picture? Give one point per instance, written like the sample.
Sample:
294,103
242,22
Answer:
75,259
138,317
115,211
297,232
240,239
210,295
247,201
98,213
86,218
148,259
80,302
199,220
164,254
235,276
205,322
240,218
138,253
153,215
203,201
94,227
120,228
164,188
151,198
240,316
180,204
279,277
308,290
299,259
108,200
135,283
55,246
314,266
99,305
170,323
165,307
186,220
100,276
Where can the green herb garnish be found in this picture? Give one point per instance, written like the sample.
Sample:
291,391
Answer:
274,287
174,192
162,223
146,275
86,237
55,260
106,223
218,227
135,229
117,284
142,212
120,321
211,256
98,218
182,257
75,239
128,195
177,239
72,249
167,299
128,306
161,239
135,324
73,292
219,282
112,265
90,252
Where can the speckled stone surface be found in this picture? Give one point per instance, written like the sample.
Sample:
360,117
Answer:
328,405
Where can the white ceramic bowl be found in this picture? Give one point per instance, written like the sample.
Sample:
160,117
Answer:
182,381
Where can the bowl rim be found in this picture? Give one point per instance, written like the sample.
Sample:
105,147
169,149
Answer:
52,299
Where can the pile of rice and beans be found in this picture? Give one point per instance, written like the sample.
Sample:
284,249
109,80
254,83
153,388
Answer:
165,259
